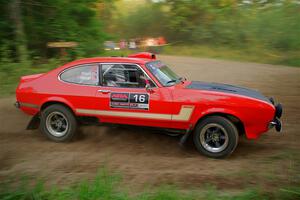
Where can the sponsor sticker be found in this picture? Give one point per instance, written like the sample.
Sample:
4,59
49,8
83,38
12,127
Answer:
138,101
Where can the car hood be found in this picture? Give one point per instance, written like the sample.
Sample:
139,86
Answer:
217,87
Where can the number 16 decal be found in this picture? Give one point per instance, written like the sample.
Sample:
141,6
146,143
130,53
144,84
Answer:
139,101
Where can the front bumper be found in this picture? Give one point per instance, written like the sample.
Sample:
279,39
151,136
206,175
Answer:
277,124
276,121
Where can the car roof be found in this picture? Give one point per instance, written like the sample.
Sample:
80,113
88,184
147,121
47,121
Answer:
111,59
137,58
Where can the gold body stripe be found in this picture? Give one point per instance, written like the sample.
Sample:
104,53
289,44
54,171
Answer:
184,114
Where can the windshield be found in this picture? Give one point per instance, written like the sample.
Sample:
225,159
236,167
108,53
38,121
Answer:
163,73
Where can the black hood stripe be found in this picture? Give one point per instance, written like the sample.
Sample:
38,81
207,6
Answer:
197,85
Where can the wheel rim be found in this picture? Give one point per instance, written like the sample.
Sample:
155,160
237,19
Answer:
214,137
57,124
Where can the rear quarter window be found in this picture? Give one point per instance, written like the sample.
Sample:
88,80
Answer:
84,75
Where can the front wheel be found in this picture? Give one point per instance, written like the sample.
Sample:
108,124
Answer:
216,137
58,123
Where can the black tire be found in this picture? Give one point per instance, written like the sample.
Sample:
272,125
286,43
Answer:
68,123
211,134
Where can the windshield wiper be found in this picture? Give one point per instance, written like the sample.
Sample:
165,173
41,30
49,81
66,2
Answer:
181,79
172,81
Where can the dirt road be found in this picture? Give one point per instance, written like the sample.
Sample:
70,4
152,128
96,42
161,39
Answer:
151,158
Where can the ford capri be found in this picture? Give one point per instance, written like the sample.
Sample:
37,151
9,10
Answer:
140,90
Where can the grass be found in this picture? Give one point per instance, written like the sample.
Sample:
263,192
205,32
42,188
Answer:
10,73
254,54
107,186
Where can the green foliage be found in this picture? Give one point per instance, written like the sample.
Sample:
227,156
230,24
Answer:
64,21
147,20
270,25
46,21
107,186
229,23
54,20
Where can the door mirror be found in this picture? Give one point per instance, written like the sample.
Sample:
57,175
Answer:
148,86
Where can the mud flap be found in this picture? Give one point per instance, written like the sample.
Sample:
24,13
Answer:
34,122
184,138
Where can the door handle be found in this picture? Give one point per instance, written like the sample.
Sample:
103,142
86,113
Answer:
104,91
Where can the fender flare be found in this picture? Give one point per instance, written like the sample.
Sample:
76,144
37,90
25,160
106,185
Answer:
60,100
219,111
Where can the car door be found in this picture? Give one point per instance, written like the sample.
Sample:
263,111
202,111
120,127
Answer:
122,97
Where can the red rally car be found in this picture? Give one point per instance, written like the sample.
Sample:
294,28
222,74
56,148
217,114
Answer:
140,90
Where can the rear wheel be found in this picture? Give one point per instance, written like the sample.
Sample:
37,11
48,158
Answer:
216,137
58,123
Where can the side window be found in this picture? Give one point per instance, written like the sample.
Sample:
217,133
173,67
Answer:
123,75
85,75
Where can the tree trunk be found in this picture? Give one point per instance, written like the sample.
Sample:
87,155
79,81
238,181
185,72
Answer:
20,41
